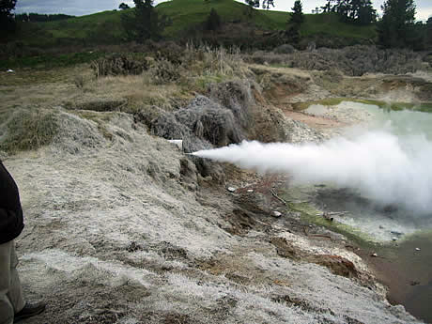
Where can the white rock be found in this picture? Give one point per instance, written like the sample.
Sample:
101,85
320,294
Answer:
417,249
10,71
250,190
277,214
374,255
178,143
231,189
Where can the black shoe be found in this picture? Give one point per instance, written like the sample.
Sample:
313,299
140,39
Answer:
29,310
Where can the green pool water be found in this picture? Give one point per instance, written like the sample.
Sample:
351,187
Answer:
401,238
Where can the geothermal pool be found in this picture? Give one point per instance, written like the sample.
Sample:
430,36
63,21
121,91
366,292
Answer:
402,232
378,172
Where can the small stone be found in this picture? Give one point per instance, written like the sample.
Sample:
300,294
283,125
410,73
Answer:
396,233
381,227
250,190
231,189
417,249
277,214
374,255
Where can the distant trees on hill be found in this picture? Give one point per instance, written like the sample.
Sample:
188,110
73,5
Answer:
360,12
266,4
123,6
35,17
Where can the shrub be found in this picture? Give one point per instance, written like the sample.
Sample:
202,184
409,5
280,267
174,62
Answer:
213,21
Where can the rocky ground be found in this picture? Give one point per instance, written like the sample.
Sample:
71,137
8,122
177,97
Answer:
122,227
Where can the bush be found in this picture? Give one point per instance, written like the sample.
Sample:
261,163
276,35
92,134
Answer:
213,21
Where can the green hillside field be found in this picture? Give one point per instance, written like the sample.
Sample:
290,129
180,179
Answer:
105,27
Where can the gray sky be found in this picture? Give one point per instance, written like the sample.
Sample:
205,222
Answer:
84,7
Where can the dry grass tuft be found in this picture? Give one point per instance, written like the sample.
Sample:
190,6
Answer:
27,129
118,65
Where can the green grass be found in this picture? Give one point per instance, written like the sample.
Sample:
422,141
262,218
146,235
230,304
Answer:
100,28
50,60
105,27
331,25
188,13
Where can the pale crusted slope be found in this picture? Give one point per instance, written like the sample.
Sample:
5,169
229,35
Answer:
119,232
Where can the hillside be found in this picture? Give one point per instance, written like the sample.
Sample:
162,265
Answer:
105,27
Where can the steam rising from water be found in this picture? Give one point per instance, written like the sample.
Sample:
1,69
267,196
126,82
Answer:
380,165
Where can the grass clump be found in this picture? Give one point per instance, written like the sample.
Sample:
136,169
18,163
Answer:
117,65
164,71
205,66
27,129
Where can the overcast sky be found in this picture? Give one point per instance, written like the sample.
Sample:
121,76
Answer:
85,7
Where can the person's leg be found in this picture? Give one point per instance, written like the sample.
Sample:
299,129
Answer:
15,293
6,308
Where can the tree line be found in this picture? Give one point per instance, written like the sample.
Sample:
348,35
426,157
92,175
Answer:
397,27
35,17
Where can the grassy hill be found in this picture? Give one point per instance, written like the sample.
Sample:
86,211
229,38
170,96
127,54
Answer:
105,27
100,28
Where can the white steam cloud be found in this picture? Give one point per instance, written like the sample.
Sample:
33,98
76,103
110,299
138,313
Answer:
381,166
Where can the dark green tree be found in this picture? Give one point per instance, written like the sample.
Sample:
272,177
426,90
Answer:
123,6
297,16
266,4
143,22
213,21
396,28
253,3
364,12
7,20
295,22
429,32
